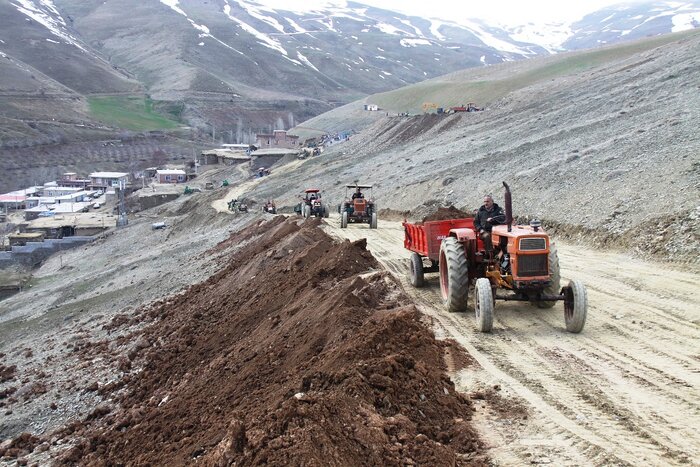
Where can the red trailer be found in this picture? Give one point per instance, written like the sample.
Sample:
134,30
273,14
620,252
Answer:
424,240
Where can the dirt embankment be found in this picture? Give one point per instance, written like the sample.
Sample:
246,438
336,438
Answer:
321,363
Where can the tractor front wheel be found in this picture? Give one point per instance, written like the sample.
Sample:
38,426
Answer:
307,211
344,220
555,278
483,305
454,275
416,269
325,211
575,306
373,221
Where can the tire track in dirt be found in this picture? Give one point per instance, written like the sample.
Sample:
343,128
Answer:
624,391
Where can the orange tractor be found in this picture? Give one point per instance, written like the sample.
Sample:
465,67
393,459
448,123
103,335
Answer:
527,269
358,209
312,205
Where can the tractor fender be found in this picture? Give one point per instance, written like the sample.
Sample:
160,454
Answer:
463,235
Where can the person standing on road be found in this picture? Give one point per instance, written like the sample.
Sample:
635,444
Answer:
488,215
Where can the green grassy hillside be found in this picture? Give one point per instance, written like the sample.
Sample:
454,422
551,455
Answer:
132,113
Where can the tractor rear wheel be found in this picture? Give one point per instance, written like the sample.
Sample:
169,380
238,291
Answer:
575,306
373,221
417,275
483,305
555,277
307,211
454,275
344,220
325,211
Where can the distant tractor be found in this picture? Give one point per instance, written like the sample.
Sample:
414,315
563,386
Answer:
527,269
270,207
359,208
312,204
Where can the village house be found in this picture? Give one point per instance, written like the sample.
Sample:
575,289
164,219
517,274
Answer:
371,107
70,179
278,139
170,176
104,180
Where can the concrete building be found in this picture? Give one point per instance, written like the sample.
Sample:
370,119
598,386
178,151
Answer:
70,179
278,139
104,180
171,176
371,107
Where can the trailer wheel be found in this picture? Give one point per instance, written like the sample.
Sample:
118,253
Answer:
575,306
454,275
554,287
344,220
373,221
416,270
483,305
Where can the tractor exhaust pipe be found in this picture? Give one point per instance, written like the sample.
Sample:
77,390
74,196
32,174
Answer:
509,207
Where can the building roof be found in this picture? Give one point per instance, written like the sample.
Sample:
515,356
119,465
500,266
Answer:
108,175
170,172
227,153
12,198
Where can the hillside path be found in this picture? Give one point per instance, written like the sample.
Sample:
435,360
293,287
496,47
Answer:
626,391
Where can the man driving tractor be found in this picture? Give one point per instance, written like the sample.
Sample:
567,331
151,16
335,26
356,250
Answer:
488,215
358,193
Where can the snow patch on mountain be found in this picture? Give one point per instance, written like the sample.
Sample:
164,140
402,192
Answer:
306,61
50,19
685,21
549,36
263,39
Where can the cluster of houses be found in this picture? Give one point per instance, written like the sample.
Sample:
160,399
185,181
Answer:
69,194
72,194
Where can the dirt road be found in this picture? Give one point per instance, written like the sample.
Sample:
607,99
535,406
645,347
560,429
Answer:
626,391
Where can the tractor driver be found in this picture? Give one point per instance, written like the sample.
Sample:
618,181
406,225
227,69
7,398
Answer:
357,194
487,216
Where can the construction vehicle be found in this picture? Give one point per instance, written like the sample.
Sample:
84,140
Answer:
527,269
270,207
312,205
429,106
189,191
358,209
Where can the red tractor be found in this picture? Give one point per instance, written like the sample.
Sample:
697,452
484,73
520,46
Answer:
312,205
270,207
528,269
358,208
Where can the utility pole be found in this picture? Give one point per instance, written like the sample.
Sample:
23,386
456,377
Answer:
213,134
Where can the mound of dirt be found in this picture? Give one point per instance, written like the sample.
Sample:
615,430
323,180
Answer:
299,352
449,212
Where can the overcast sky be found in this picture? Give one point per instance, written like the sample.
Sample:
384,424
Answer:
504,11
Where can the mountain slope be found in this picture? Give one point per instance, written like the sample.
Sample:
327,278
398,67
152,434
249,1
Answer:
612,150
489,86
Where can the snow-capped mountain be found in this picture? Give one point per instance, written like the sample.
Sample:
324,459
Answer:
242,63
632,21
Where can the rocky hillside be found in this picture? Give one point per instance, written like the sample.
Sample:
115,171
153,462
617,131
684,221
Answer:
610,151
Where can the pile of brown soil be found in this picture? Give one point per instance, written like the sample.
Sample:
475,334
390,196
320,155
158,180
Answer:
299,352
449,212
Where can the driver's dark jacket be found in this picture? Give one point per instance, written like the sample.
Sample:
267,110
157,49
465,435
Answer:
496,212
